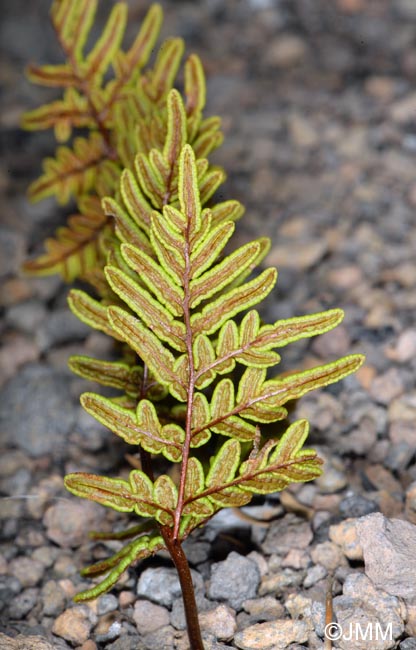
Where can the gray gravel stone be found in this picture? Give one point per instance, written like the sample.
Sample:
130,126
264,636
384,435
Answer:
29,572
399,456
362,605
60,327
210,643
177,615
345,535
161,585
22,642
220,622
149,617
26,316
313,575
36,412
9,587
161,638
11,251
275,635
127,643
279,582
234,580
53,598
106,603
69,521
46,555
287,533
389,548
23,603
408,644
263,609
357,506
107,629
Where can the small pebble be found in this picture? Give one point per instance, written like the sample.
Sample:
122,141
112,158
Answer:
53,598
89,645
410,504
263,609
329,555
126,598
286,51
275,634
314,574
149,617
69,521
411,620
23,642
405,347
298,606
296,559
28,571
161,638
108,628
388,386
75,624
161,585
234,580
106,603
220,622
277,583
287,533
356,506
23,603
345,535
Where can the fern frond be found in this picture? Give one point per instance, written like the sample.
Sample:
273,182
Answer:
77,247
101,55
188,343
151,238
135,118
74,171
138,550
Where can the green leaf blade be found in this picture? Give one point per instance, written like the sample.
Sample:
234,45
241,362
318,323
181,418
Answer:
111,492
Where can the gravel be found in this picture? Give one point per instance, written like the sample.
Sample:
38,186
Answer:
318,108
234,580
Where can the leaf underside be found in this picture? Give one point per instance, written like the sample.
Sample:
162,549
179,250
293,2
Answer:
196,360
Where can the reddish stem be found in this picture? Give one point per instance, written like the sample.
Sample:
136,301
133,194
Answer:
188,592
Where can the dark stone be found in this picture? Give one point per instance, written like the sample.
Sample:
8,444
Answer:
357,506
23,603
408,644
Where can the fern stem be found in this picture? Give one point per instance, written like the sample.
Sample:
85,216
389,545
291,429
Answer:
191,389
188,592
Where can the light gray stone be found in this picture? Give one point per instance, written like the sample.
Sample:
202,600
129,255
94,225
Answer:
161,585
234,580
362,607
389,549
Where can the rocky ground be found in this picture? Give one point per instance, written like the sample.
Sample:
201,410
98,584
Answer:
318,99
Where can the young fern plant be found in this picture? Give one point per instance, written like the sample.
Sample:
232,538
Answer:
177,312
194,372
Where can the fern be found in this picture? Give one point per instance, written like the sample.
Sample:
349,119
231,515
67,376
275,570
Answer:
108,92
178,302
150,238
